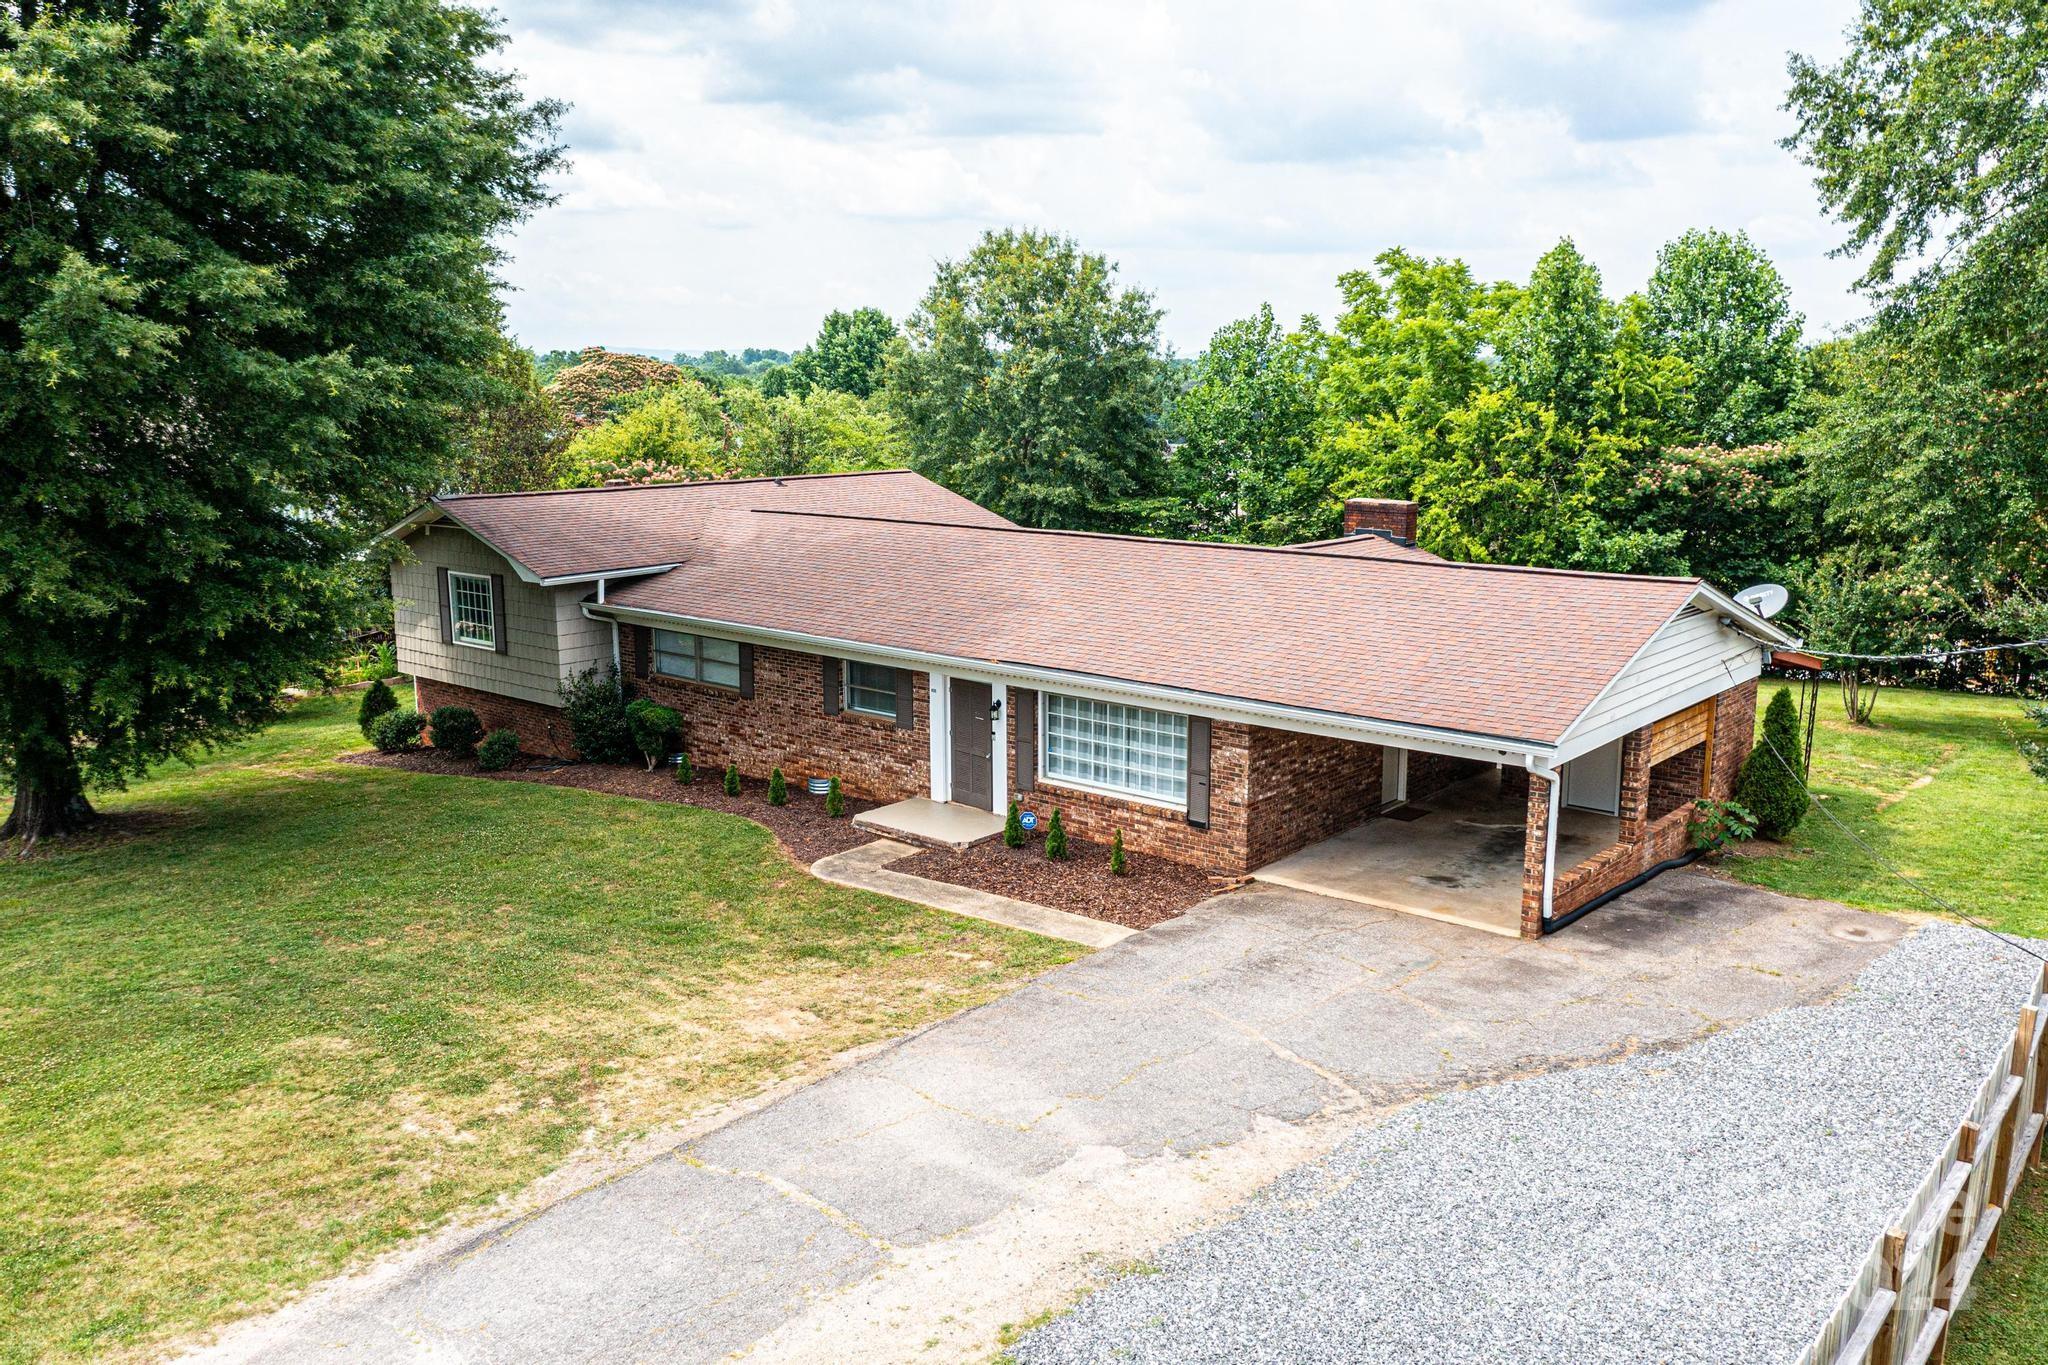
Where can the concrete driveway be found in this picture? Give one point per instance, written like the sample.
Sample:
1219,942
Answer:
975,1173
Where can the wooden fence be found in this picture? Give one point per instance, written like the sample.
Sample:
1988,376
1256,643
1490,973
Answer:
1898,1310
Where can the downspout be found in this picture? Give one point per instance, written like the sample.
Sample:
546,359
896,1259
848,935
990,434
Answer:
618,666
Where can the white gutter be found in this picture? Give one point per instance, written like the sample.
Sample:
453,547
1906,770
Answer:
1457,743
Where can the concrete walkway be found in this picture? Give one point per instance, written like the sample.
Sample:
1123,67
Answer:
979,1171
866,868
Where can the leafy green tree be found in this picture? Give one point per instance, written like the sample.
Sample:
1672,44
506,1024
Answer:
1031,383
1408,349
1717,303
1555,339
662,435
249,271
848,355
1771,786
1245,418
511,433
1847,606
1933,455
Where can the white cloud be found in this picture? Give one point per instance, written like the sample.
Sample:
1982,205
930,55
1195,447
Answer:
740,168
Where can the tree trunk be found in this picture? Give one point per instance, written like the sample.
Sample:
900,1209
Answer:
49,793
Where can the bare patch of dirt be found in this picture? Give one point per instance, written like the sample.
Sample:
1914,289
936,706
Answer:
802,826
1156,889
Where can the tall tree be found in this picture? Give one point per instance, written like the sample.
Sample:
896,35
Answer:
1553,342
1408,349
591,390
848,354
1717,302
1244,419
1934,455
249,271
1032,383
511,433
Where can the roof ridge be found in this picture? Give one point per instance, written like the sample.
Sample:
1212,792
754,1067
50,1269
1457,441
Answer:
1291,551
674,483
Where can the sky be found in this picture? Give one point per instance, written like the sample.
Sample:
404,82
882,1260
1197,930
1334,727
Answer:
738,168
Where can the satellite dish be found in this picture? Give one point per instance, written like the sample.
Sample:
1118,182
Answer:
1765,599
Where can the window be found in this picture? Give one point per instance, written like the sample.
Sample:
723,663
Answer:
871,689
470,617
697,657
1124,749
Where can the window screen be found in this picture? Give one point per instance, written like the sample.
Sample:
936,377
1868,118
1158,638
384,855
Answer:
469,610
871,689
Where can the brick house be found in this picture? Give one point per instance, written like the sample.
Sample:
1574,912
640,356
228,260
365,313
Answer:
1490,744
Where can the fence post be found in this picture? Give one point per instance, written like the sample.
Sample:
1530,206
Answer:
1884,1349
2008,1131
1952,1229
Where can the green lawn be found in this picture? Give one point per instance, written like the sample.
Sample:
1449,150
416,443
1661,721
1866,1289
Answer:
301,1011
1936,785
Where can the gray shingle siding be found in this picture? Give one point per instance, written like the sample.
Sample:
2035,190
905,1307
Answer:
546,630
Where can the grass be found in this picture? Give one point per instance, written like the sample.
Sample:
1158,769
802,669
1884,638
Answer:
297,1012
1936,786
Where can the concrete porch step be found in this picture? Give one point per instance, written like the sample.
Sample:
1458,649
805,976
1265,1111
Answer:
931,824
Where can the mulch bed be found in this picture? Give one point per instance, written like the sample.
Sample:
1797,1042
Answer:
1155,891
803,827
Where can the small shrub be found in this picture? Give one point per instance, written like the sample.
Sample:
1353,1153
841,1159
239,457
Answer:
685,774
498,750
595,703
2035,750
377,701
394,732
383,662
1717,824
652,726
732,779
1119,866
455,729
1770,785
778,788
1013,828
835,800
1056,837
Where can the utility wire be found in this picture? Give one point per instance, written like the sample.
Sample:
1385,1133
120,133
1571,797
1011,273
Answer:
1884,863
1924,656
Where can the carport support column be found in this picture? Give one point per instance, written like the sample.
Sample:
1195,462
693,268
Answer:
1539,851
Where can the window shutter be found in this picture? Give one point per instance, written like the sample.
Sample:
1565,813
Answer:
746,670
447,621
828,670
1198,771
643,650
1024,706
501,624
906,701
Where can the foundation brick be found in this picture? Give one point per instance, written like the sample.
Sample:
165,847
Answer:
542,729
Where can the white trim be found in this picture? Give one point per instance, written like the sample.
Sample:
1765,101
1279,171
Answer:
1574,745
939,715
1456,744
1556,795
1393,764
999,748
454,619
565,580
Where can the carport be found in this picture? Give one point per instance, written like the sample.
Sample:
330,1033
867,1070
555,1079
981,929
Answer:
1456,855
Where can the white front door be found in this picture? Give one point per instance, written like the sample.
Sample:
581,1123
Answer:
1592,781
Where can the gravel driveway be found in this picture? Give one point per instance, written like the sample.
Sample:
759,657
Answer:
1705,1205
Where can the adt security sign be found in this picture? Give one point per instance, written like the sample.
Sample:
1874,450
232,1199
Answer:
1028,819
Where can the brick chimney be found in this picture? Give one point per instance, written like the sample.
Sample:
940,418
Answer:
1388,516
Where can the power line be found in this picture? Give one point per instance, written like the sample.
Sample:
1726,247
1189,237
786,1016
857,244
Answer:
1924,656
1884,863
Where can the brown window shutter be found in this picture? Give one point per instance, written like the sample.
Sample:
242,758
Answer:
1024,706
501,624
643,650
447,620
746,670
1198,771
828,671
906,701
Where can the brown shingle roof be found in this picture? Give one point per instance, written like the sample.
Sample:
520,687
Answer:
1369,546
1480,649
579,531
